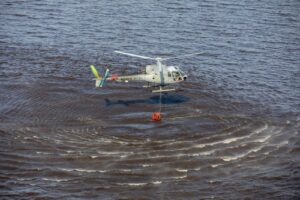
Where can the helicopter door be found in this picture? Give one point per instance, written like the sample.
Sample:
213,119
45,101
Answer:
170,77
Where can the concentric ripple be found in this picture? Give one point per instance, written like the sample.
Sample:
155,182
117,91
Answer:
131,153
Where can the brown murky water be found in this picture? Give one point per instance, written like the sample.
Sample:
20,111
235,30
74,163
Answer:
232,133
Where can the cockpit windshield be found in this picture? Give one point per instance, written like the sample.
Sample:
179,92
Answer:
176,76
175,73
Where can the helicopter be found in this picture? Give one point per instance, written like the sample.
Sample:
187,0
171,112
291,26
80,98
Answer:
157,75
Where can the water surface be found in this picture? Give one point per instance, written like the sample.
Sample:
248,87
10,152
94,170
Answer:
232,133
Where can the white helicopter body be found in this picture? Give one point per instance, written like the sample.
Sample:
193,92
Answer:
158,75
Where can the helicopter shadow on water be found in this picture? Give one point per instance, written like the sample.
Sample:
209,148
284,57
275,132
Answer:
165,99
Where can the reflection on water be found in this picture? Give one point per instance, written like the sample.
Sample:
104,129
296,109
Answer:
165,99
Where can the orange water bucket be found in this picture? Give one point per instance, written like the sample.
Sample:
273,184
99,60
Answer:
156,116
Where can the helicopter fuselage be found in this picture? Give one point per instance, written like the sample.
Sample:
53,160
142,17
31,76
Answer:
171,74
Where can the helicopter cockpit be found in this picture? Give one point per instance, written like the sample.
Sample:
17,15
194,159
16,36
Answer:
176,74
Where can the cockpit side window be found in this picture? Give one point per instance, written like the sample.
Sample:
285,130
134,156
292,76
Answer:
169,74
176,74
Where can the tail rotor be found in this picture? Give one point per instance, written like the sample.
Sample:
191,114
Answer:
99,80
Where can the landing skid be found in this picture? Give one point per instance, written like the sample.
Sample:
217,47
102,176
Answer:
160,90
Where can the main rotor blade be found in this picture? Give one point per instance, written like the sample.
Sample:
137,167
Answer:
134,55
182,56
